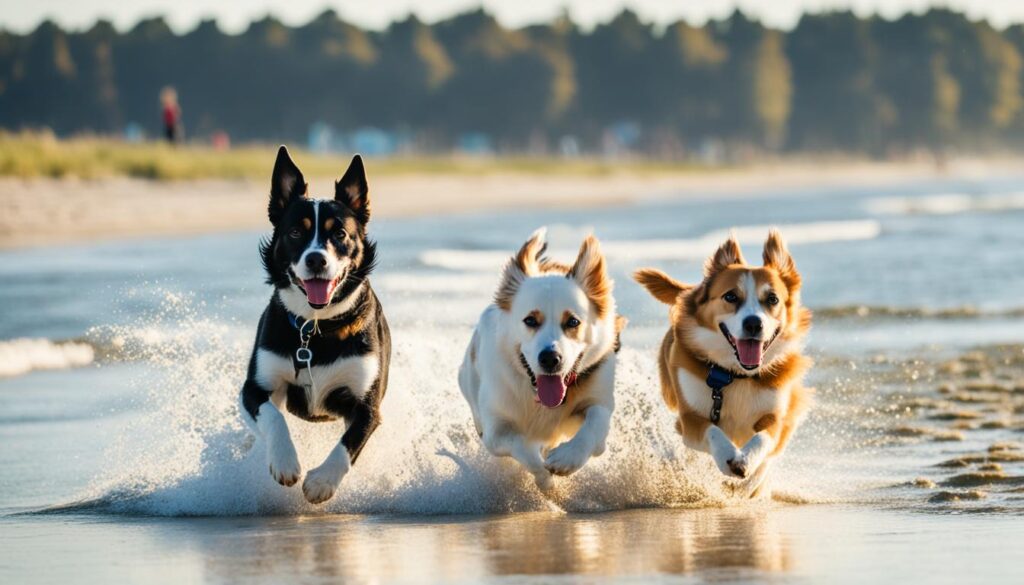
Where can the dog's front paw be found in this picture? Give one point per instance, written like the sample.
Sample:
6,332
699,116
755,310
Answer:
321,482
728,458
543,480
566,459
284,464
738,466
319,485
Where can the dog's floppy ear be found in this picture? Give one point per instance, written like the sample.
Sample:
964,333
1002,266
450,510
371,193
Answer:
286,185
590,272
662,286
727,254
776,255
525,263
352,189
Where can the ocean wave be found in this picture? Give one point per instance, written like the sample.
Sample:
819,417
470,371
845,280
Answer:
945,204
24,355
669,249
891,312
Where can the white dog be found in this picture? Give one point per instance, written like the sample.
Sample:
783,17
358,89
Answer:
540,368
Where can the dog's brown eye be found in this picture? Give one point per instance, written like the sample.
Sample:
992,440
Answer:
340,234
772,299
730,297
295,234
531,322
572,323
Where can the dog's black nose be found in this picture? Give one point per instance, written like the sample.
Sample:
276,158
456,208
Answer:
550,360
752,325
316,261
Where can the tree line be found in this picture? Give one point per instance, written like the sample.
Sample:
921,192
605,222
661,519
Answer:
835,82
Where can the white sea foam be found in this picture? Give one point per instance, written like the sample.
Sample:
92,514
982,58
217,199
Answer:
24,355
669,249
945,204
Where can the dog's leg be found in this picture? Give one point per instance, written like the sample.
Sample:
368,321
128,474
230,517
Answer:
504,441
722,450
269,423
588,442
699,434
764,442
321,483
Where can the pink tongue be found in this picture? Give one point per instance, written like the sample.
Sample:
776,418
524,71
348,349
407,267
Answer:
750,351
550,390
317,290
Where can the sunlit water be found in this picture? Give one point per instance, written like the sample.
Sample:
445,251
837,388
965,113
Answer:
120,365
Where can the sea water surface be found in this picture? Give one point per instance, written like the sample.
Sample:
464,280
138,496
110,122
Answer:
124,458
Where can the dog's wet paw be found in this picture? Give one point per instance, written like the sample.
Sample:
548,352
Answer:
738,466
281,455
318,487
285,470
565,459
321,483
544,480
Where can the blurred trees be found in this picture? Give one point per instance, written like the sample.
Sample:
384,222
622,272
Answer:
835,82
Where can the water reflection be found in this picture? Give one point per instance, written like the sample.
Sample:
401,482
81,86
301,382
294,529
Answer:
723,543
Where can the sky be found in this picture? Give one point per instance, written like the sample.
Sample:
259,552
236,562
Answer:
235,15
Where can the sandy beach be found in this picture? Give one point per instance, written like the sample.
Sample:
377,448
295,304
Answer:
50,211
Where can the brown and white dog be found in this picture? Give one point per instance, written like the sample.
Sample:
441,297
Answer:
539,372
731,364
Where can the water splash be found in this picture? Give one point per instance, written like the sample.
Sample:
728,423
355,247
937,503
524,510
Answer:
190,453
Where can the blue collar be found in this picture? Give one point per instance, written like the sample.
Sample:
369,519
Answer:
718,378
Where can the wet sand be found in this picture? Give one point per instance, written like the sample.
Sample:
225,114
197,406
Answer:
50,211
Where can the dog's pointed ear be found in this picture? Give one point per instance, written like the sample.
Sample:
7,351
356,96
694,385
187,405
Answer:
352,189
728,253
525,263
591,273
776,255
661,286
286,185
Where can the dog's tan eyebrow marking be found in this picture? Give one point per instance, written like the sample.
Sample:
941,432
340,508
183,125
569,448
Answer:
574,332
307,223
329,224
536,314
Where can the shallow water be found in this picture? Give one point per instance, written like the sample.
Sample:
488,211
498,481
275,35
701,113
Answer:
120,364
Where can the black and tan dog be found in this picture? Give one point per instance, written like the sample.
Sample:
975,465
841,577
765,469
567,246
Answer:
323,346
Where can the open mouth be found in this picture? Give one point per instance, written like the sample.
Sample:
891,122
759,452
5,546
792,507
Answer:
749,352
551,389
319,291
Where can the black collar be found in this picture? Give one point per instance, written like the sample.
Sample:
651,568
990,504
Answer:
311,327
321,326
718,378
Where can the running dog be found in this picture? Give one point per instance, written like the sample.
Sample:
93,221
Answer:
322,346
731,363
540,368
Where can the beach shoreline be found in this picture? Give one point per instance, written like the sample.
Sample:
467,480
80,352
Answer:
44,211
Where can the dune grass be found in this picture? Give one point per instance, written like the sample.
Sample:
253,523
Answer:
29,155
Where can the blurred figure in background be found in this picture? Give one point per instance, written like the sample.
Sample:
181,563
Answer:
173,131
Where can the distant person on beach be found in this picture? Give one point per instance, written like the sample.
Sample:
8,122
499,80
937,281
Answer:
171,115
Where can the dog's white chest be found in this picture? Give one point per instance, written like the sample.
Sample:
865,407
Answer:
357,373
743,403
